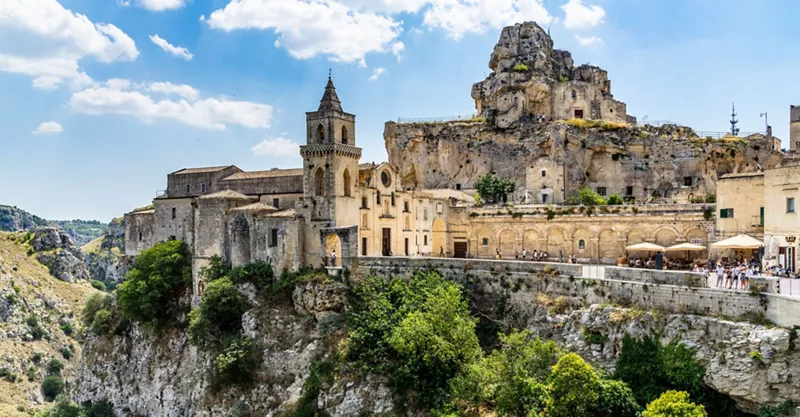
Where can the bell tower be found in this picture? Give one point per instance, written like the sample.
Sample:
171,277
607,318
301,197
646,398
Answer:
330,161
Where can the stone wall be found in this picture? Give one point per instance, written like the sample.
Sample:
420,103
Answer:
174,220
794,128
744,193
139,234
564,280
195,179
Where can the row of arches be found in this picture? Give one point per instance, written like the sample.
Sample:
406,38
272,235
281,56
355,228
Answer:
319,183
320,135
606,243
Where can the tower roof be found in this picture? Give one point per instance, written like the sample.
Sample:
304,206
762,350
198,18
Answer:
330,101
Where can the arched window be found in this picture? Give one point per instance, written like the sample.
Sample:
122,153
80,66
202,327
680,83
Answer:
345,139
320,134
319,182
581,244
347,185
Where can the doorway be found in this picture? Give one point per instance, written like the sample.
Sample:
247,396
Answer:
387,241
579,114
363,246
406,247
460,249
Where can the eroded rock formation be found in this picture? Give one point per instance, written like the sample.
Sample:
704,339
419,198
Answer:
55,250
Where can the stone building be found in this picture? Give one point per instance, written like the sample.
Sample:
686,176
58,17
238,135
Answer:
794,128
781,224
740,205
297,217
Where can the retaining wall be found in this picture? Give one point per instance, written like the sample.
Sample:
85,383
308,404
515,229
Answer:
641,288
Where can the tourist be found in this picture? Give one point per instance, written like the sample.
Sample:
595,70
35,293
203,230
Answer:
535,256
333,257
747,275
516,254
720,275
441,252
524,253
497,254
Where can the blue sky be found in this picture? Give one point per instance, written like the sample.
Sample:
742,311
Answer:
95,114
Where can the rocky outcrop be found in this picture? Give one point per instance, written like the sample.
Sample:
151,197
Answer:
104,259
650,160
752,364
164,375
54,249
13,219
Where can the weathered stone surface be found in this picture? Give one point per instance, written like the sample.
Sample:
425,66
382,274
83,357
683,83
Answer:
725,348
55,250
320,299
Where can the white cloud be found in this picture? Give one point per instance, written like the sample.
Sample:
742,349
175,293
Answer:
44,40
186,91
132,99
46,128
397,50
159,5
459,17
588,40
308,29
376,72
178,51
580,16
280,147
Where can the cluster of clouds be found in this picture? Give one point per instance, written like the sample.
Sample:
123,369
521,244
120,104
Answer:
44,40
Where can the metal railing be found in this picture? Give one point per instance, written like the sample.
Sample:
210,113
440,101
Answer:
656,123
467,117
720,135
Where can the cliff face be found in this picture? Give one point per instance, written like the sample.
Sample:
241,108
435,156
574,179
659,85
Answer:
13,219
651,160
164,375
536,108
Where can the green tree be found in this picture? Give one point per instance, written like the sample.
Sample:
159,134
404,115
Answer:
616,400
159,276
218,315
494,189
573,388
236,364
614,200
674,404
586,197
52,386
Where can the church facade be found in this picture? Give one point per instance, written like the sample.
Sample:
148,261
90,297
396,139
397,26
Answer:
298,217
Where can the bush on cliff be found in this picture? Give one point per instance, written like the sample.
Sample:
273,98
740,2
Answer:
159,277
674,404
218,315
494,189
52,386
236,364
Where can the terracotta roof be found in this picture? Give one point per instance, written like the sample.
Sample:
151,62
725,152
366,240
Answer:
743,175
256,207
226,195
202,169
265,174
447,193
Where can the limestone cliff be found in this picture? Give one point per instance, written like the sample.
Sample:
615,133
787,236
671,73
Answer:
537,110
105,259
13,219
164,375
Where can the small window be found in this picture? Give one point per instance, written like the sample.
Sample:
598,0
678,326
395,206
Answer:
629,190
425,214
485,241
173,237
601,191
727,213
574,94
790,205
276,202
202,188
386,179
544,173
364,202
405,206
425,240
378,197
273,238
761,217
392,198
140,236
581,244
363,246
188,188
579,114
174,213
544,198
458,187
439,208
687,181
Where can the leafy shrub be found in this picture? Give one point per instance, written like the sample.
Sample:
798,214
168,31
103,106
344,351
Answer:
52,386
98,285
219,313
54,367
102,322
66,352
521,68
586,197
573,388
260,273
785,409
37,331
158,278
67,409
36,357
8,375
674,404
236,363
67,329
711,198
616,400
614,200
494,189
98,314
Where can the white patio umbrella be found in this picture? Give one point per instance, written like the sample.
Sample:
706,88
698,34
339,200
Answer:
688,247
738,242
645,247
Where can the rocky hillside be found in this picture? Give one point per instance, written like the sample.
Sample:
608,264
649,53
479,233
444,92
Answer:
81,231
511,136
104,255
13,219
38,327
